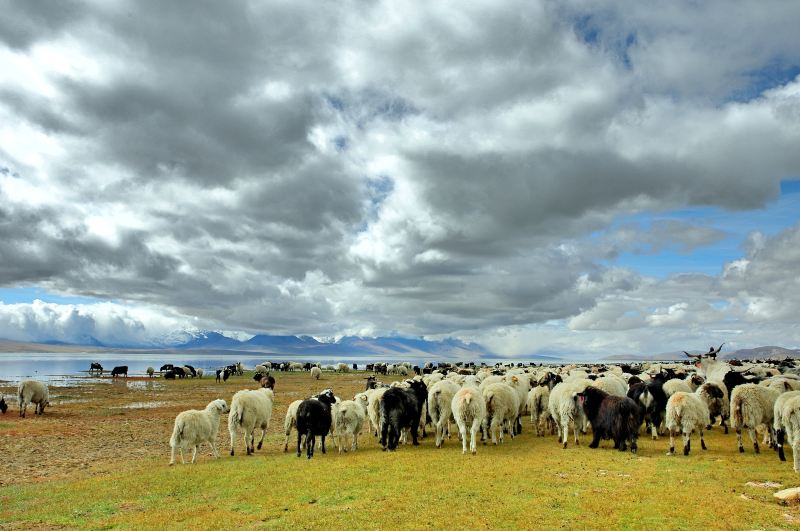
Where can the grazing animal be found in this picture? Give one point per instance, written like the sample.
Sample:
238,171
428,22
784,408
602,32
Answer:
223,374
190,371
32,392
3,405
200,373
316,373
194,427
565,410
752,405
686,412
502,409
290,421
95,367
652,403
348,417
313,419
440,399
716,399
250,409
611,417
778,427
538,398
150,372
120,370
790,419
469,411
400,409
169,375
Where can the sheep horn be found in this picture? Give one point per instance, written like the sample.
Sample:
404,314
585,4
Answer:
696,356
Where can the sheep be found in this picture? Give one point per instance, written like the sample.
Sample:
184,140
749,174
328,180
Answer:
342,367
261,369
715,397
32,392
611,417
782,383
316,373
250,409
3,405
440,399
121,370
94,366
469,410
521,383
374,408
150,372
200,373
502,407
194,427
290,421
295,366
686,412
675,385
348,417
652,403
752,405
611,384
790,419
564,408
400,409
778,428
314,418
538,398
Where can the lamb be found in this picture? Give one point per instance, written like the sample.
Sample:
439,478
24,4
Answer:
686,412
290,421
250,409
564,408
752,405
611,417
440,399
469,411
538,398
32,392
194,427
502,408
316,373
778,427
314,418
348,417
790,419
400,409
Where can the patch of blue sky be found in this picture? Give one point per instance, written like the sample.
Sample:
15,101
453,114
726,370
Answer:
29,294
709,259
756,82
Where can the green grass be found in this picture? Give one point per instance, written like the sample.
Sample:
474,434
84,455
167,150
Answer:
524,483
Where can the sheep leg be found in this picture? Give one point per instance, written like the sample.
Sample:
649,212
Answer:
355,441
725,425
183,461
780,437
493,430
263,434
739,439
310,442
172,456
462,430
702,441
595,440
473,437
323,444
565,432
414,440
754,438
671,442
687,443
796,452
439,434
232,431
299,436
194,454
576,434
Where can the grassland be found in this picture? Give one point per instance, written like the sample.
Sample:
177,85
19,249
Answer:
94,461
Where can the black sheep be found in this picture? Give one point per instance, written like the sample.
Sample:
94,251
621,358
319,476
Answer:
169,375
400,409
3,405
611,417
652,402
314,418
121,370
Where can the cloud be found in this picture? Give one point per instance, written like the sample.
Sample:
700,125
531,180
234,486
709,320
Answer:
392,167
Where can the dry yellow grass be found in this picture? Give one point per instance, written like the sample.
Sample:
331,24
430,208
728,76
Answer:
92,463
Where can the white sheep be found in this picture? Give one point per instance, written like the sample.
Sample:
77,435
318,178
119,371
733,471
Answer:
32,392
752,405
375,397
538,398
565,409
295,366
440,399
686,412
716,398
195,427
316,373
611,384
502,409
250,409
782,383
200,373
290,422
261,369
778,427
521,383
343,367
469,411
348,417
790,420
150,372
676,385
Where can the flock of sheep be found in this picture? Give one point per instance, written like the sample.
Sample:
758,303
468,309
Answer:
490,403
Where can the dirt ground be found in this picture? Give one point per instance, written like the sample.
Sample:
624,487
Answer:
95,427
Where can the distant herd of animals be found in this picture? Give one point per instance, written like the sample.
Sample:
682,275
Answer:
490,402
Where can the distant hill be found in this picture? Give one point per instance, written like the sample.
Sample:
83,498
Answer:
761,353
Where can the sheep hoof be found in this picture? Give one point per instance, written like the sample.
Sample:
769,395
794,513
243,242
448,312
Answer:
259,446
671,452
565,446
703,444
231,452
655,438
741,450
171,463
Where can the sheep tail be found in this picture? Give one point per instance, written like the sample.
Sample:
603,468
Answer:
177,434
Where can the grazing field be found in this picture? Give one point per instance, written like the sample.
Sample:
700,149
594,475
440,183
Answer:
98,458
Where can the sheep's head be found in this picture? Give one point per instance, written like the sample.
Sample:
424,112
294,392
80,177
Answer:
221,405
327,396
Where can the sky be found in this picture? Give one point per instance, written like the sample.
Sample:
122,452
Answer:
571,177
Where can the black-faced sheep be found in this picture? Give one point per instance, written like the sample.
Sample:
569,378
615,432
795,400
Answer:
314,418
686,412
32,392
400,409
652,402
194,427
